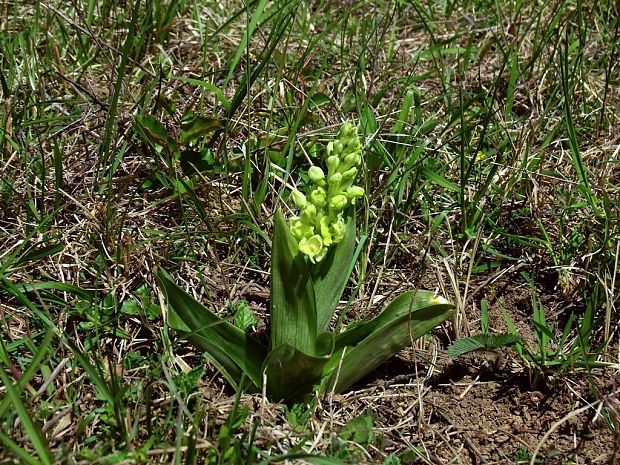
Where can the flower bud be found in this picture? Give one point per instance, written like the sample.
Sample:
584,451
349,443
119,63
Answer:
316,175
352,159
299,199
335,179
355,192
352,144
338,147
332,163
349,175
308,213
347,131
338,202
318,197
330,148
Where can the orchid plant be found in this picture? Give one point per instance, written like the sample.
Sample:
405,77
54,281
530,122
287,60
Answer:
311,262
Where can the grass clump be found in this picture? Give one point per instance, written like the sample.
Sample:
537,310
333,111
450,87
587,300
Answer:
167,134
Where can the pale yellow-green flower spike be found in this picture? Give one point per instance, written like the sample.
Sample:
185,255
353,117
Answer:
320,223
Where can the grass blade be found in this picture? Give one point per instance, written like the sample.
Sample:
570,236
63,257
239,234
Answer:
24,456
570,129
35,434
30,371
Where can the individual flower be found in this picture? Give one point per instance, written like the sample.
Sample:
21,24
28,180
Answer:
326,233
318,197
312,247
308,213
337,230
300,229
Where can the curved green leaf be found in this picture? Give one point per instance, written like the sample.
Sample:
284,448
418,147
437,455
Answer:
401,305
292,373
404,320
293,311
234,353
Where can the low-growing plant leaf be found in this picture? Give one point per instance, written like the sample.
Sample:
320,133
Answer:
195,127
304,457
481,341
292,373
330,276
228,348
154,133
244,318
318,100
293,311
193,161
358,429
404,320
207,85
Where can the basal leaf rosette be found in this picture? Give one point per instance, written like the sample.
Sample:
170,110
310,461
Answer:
320,223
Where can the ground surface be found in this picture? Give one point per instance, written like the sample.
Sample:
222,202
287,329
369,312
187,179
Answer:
491,135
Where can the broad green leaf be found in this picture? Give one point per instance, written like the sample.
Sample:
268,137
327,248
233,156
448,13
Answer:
330,276
292,373
228,348
481,341
401,305
193,161
318,100
403,321
293,311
